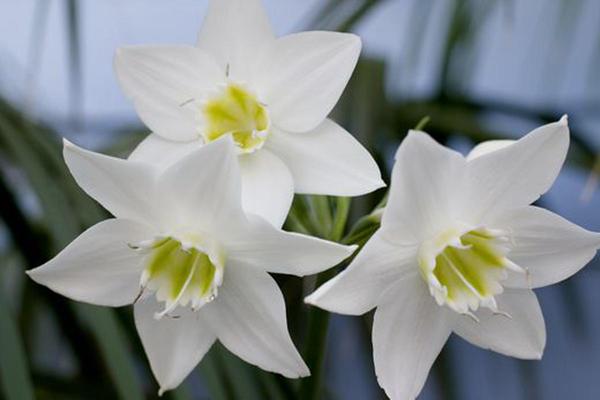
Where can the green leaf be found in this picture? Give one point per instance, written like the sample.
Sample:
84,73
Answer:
73,40
111,342
33,150
212,376
242,380
57,213
180,393
14,374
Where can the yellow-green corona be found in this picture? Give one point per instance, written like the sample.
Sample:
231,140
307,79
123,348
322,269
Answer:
181,273
464,270
236,111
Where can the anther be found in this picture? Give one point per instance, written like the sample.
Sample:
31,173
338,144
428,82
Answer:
503,313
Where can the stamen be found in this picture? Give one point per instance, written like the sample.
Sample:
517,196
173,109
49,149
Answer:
182,271
236,111
185,103
504,314
464,269
471,315
139,295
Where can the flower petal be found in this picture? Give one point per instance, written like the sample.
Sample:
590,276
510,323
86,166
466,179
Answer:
125,188
261,245
516,175
425,180
409,331
548,246
522,335
359,287
235,32
486,147
267,186
164,82
98,267
327,160
174,346
249,319
303,76
203,189
161,152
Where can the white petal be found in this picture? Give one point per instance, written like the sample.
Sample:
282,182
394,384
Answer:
203,189
522,335
303,76
126,189
359,287
161,152
98,267
548,246
268,248
409,331
249,318
174,345
486,147
235,33
163,82
516,175
425,181
327,160
267,186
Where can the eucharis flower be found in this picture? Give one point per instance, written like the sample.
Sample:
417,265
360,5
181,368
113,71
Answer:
272,94
183,251
459,250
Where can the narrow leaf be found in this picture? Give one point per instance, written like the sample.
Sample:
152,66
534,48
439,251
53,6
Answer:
14,374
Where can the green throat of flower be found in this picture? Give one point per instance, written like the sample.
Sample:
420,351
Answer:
180,274
464,270
236,111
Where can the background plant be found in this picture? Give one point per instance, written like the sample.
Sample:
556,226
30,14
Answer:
54,348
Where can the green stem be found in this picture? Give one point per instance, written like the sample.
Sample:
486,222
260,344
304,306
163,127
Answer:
340,218
321,214
316,340
318,320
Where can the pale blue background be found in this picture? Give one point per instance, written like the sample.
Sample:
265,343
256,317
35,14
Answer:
522,59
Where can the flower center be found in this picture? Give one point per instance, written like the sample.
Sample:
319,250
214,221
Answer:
464,270
236,111
181,272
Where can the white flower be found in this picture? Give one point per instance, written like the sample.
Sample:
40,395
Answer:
273,95
182,249
459,250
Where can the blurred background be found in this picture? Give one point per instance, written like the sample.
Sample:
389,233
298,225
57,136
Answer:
479,69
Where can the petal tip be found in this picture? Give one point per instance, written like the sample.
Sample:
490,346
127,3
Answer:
356,40
31,273
305,373
67,144
351,249
35,274
380,184
314,298
564,120
311,299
